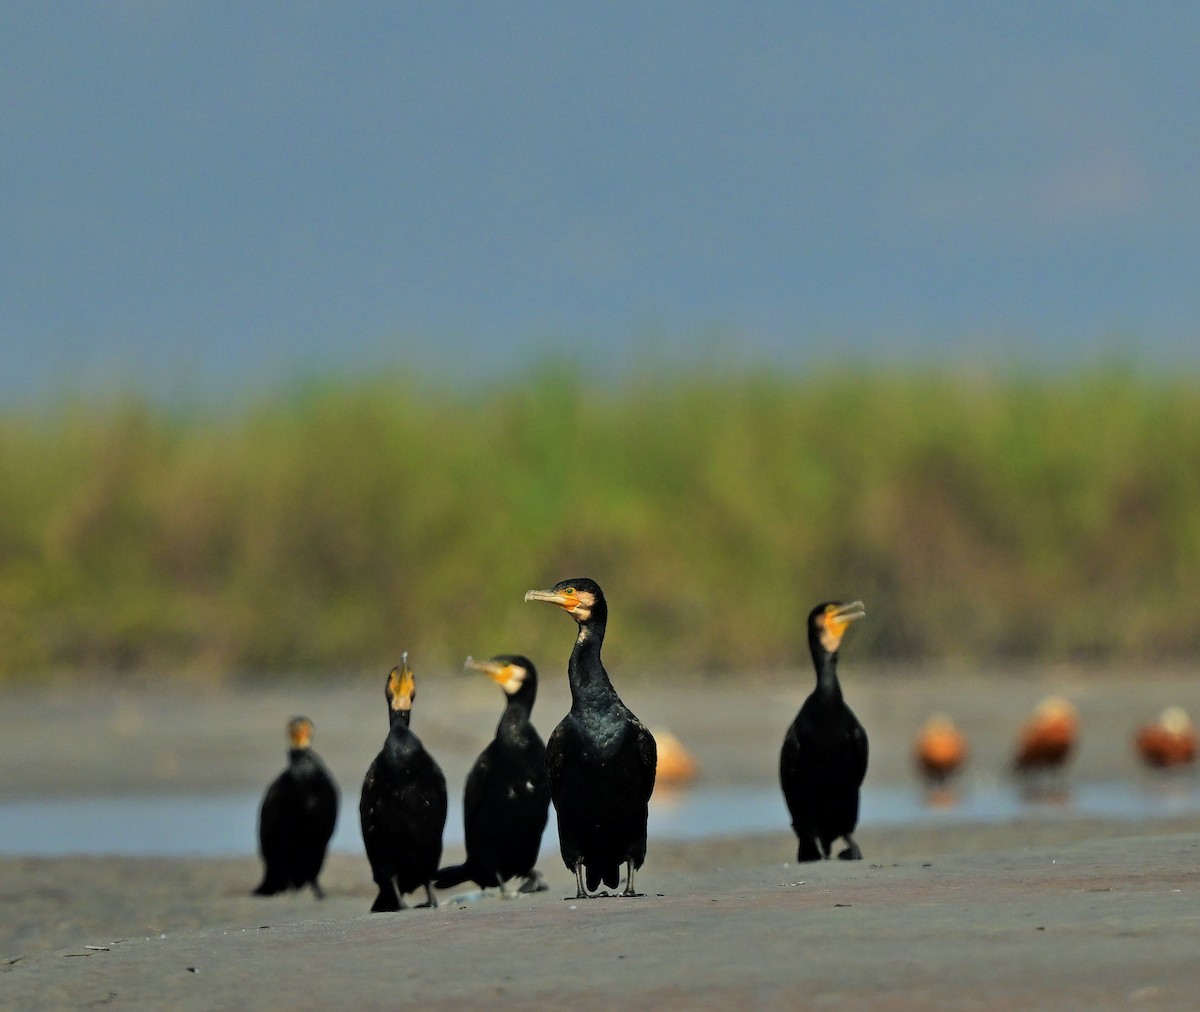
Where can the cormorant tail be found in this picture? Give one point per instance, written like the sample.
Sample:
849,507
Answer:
452,875
387,900
271,885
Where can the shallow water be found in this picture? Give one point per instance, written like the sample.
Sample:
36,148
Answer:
225,824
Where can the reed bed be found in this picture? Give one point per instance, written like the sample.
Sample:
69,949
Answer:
1003,515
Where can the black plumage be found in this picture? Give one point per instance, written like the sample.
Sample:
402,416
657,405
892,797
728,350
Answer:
824,756
296,817
600,759
403,805
506,800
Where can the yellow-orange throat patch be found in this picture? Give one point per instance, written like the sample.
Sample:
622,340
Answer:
401,687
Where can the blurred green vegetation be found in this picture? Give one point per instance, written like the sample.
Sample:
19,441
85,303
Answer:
998,516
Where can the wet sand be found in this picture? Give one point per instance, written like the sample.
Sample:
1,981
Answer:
1039,912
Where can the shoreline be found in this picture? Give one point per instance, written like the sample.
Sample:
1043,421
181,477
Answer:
1030,912
1094,917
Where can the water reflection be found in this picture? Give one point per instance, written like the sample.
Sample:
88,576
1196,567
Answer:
225,824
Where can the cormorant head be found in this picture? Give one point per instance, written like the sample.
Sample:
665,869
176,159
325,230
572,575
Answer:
401,688
580,598
511,672
827,623
300,732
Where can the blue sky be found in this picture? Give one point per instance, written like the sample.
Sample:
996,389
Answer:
205,196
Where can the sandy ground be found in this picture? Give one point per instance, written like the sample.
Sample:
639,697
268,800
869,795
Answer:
1040,912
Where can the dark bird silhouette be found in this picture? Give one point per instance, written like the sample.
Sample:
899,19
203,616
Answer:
403,804
824,755
600,759
1047,739
296,818
506,800
1168,741
940,750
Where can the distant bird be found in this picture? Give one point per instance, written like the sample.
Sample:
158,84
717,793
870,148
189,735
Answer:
600,759
1169,741
403,804
940,749
676,767
824,756
296,818
506,801
1047,739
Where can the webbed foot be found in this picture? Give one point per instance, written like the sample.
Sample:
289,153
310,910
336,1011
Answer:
851,853
534,883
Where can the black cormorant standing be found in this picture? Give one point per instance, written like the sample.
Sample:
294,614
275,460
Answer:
506,799
824,755
600,759
403,805
296,818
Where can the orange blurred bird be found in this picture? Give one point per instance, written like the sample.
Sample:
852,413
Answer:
940,749
1169,741
676,767
1048,737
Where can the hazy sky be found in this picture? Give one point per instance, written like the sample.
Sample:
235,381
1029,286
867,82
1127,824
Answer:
203,195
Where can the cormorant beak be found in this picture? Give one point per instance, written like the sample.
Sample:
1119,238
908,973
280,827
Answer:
496,671
509,677
300,733
838,619
401,686
566,601
848,613
576,603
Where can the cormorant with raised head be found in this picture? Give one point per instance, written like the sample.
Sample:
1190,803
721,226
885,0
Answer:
824,755
403,804
506,800
296,818
600,759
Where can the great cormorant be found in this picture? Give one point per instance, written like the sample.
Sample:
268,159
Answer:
506,800
824,755
403,804
296,818
600,759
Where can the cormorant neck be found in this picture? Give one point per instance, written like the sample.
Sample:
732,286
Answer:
296,754
515,716
827,679
589,681
400,719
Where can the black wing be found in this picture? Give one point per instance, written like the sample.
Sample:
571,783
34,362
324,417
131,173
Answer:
647,751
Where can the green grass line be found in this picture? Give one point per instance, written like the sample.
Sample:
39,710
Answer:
999,516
